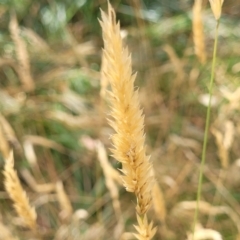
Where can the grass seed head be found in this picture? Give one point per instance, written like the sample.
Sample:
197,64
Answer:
216,6
18,195
127,121
127,118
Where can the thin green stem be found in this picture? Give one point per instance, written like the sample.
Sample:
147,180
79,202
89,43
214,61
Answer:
203,159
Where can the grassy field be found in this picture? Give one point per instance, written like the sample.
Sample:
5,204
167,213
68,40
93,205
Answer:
54,106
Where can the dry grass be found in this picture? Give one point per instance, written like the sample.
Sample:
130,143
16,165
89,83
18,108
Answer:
129,148
198,31
64,202
18,195
4,146
216,6
112,176
159,203
60,137
6,233
23,66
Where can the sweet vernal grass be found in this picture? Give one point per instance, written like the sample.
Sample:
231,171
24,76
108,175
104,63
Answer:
128,122
216,6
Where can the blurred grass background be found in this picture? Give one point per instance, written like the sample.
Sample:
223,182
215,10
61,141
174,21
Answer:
55,125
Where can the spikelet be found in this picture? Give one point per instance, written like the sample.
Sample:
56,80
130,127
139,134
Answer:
198,32
145,230
216,6
128,121
18,195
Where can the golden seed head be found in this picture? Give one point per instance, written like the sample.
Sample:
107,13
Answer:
14,188
127,116
216,6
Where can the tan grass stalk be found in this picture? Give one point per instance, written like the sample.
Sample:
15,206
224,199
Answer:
38,43
5,233
128,122
18,195
32,158
40,188
222,151
104,81
22,55
229,134
64,202
44,142
224,142
207,209
176,62
110,183
4,146
105,164
178,66
198,31
72,121
159,203
216,6
111,177
9,132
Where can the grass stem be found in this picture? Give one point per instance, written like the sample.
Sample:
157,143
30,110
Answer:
203,159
